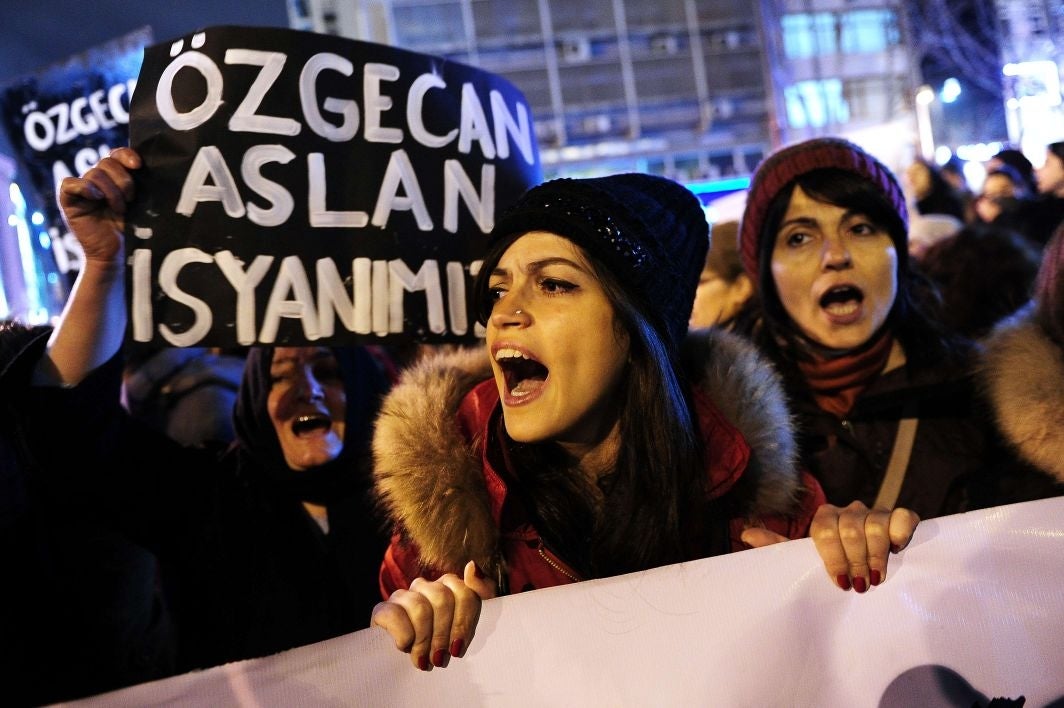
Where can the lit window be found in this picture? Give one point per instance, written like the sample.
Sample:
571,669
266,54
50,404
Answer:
808,34
868,31
816,104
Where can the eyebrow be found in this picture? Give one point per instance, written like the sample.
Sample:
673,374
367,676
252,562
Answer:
536,266
810,221
800,221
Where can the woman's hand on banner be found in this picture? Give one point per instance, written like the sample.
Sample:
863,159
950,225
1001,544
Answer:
855,542
435,619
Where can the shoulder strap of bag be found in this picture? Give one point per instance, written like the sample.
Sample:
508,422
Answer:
899,459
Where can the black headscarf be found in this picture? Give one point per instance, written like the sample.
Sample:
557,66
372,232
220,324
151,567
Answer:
16,338
365,382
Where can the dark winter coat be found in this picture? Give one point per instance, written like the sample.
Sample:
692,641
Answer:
957,462
1037,218
80,611
246,569
437,441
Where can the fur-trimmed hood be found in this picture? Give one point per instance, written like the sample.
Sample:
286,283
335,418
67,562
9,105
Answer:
1022,375
429,478
746,389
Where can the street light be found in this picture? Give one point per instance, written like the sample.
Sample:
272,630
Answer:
925,96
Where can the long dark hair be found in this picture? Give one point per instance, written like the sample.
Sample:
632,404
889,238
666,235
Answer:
913,319
645,511
986,272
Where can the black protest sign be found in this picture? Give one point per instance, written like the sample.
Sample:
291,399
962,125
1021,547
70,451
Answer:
306,188
64,118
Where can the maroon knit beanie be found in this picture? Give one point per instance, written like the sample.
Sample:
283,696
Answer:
787,164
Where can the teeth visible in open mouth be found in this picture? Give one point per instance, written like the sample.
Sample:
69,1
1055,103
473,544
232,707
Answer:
509,354
524,375
307,423
842,308
843,300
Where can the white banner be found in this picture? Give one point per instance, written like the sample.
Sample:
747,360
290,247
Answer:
972,610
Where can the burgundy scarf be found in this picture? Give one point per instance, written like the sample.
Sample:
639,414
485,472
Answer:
837,381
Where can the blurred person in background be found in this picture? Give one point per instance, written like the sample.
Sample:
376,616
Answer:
1004,190
186,392
985,273
723,287
1014,158
1008,202
925,230
930,192
1050,175
953,172
1046,212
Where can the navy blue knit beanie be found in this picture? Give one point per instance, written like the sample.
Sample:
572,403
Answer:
651,232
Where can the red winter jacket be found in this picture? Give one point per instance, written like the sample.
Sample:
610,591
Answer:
449,504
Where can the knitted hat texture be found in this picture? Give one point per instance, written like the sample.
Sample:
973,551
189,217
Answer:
787,164
650,231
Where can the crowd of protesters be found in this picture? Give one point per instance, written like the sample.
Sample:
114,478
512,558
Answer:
997,237
639,400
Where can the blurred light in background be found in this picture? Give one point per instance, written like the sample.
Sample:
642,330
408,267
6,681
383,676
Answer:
925,96
1032,109
32,289
951,90
34,309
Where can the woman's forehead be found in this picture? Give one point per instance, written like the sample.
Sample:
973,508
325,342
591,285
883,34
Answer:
298,355
537,247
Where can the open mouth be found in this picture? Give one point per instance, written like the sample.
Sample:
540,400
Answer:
307,424
842,300
524,375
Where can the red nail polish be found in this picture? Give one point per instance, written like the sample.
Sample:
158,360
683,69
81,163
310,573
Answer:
456,647
423,662
477,571
844,581
877,578
438,657
859,584
895,548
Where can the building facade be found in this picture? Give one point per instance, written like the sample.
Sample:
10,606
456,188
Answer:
1032,47
698,90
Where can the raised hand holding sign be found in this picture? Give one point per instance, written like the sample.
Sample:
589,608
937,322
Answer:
310,188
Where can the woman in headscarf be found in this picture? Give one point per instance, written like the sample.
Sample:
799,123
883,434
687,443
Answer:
264,545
